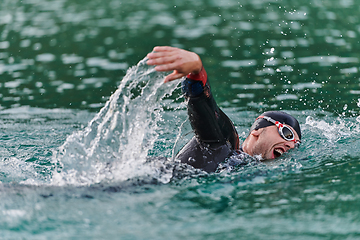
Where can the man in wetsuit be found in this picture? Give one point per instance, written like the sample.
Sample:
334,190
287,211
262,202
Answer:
216,138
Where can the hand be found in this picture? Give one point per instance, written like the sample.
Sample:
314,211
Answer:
180,61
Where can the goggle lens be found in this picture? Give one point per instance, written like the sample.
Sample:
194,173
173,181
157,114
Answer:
287,133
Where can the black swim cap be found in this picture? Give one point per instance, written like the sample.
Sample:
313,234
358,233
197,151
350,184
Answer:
282,117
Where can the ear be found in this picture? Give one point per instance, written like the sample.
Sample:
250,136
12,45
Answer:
256,133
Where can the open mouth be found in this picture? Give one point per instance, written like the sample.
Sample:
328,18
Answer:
278,152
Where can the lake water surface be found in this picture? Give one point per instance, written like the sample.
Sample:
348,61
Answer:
89,131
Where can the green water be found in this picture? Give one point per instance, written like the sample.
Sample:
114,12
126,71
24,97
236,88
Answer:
63,178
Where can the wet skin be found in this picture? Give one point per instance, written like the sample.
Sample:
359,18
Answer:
268,143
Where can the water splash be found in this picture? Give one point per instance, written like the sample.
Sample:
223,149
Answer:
331,140
116,143
334,131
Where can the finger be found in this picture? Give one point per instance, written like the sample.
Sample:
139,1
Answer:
160,52
173,76
162,60
163,49
169,66
153,55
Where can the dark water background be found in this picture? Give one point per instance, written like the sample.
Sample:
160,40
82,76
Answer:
72,54
60,61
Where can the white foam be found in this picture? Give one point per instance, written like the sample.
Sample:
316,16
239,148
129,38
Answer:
115,144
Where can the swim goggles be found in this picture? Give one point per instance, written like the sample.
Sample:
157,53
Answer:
284,131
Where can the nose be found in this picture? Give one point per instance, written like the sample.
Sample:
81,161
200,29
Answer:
290,145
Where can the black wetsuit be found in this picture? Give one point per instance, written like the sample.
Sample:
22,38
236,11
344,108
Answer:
216,138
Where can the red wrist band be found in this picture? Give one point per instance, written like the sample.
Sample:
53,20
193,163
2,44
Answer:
201,76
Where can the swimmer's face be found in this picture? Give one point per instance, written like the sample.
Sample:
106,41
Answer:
269,144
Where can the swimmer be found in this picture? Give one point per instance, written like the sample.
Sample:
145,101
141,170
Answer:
272,134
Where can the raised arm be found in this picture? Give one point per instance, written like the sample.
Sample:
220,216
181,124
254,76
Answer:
210,124
215,134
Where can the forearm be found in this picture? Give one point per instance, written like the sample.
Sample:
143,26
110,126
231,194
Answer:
210,124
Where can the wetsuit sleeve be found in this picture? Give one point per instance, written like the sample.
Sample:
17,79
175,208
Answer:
209,122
